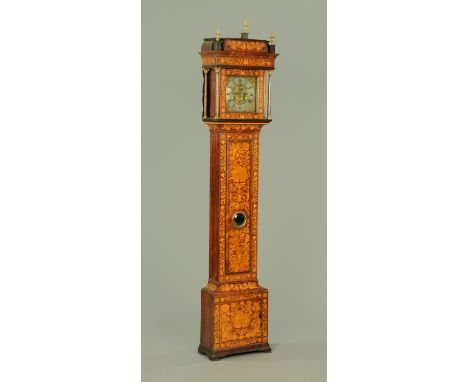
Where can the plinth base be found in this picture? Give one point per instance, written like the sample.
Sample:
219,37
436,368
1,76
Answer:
233,321
214,356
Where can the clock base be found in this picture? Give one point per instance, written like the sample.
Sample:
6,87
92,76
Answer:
233,321
217,355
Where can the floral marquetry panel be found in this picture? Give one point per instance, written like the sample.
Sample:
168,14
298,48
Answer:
243,45
240,320
239,170
239,192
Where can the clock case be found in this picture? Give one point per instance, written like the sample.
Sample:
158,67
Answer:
234,307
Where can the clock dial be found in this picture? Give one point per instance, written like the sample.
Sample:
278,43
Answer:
241,94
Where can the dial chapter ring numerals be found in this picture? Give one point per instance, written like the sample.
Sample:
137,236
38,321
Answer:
241,94
231,110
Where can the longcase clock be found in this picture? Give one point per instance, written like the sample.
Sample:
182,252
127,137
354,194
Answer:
237,76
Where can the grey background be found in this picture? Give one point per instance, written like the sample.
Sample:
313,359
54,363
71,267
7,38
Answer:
175,190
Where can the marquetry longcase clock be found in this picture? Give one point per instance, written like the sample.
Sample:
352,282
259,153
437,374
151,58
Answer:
236,104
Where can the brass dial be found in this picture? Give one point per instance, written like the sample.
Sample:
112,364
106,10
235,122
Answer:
241,94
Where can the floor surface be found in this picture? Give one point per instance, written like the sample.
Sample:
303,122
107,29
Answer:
292,362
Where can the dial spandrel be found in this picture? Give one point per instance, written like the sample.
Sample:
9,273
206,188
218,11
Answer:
241,94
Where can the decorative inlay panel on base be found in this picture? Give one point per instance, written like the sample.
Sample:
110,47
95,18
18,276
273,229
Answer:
234,320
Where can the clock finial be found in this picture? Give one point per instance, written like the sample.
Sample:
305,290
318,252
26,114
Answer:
217,34
245,33
272,39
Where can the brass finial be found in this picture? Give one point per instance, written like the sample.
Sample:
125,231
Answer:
218,34
246,26
272,39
